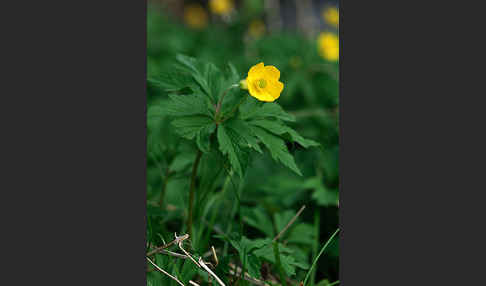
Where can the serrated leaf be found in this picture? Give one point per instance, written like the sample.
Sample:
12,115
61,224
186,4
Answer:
279,128
196,126
189,63
234,76
182,105
245,248
229,144
213,78
241,128
302,233
171,81
252,110
288,264
278,149
205,74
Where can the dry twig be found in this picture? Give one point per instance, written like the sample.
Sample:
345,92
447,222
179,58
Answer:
289,224
175,241
165,272
180,240
203,264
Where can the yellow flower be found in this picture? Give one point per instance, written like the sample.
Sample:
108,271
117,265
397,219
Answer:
221,7
329,46
331,16
195,16
262,82
256,29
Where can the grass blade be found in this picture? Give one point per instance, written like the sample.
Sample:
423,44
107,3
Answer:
319,255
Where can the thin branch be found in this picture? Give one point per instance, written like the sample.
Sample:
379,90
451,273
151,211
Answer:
188,255
175,241
193,283
163,271
203,264
175,254
289,224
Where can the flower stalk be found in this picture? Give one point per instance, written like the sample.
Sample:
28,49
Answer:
192,191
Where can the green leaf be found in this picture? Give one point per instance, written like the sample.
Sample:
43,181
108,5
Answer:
253,266
171,81
234,76
302,233
321,194
277,148
251,110
205,74
181,162
257,218
196,126
278,128
229,144
188,62
241,128
182,105
282,219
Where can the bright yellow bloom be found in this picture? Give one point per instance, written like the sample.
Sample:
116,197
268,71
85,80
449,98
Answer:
331,16
195,16
262,82
221,7
329,46
256,29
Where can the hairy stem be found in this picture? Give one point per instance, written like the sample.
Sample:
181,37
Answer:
191,193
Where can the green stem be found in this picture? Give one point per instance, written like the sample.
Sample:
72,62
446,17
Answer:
234,109
216,208
317,222
220,102
191,194
279,264
317,258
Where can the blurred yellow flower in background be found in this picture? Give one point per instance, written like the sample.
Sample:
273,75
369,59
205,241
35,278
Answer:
221,7
256,28
262,82
328,46
331,16
195,16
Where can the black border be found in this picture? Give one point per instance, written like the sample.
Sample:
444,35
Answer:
74,149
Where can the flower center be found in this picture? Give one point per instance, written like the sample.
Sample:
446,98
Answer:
262,83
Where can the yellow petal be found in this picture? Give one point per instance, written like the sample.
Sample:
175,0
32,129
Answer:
272,72
261,95
275,88
256,71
